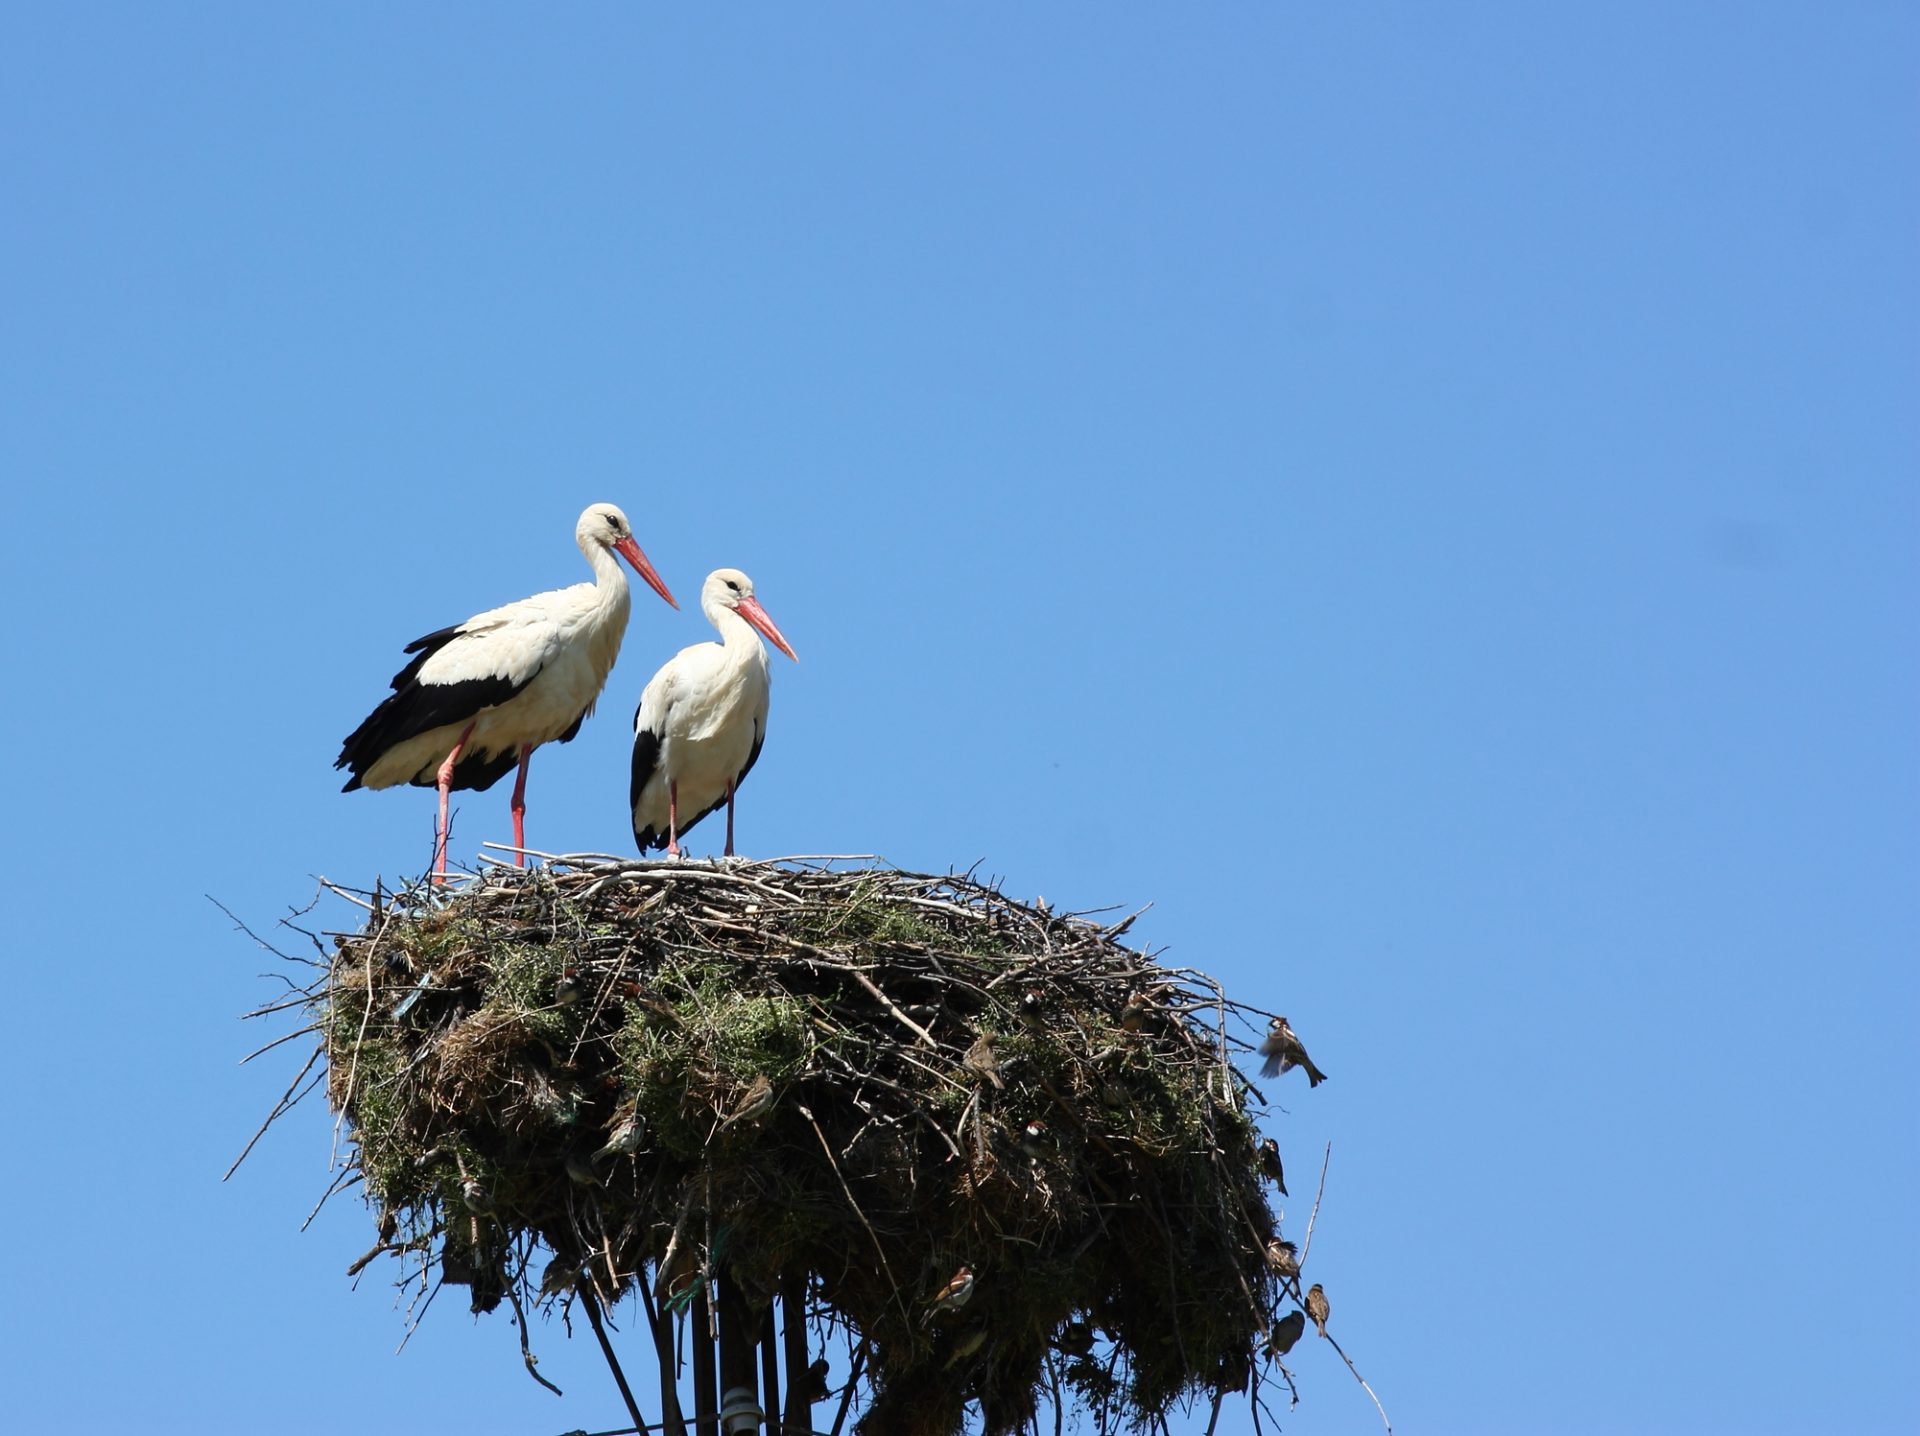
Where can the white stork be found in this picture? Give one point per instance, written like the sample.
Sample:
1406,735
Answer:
703,718
480,696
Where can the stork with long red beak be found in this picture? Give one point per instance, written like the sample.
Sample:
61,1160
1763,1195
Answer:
703,718
480,696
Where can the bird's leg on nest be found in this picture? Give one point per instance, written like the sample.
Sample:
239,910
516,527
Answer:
729,817
520,808
446,785
673,819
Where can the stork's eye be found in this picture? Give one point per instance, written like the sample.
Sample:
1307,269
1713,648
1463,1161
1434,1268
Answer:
732,585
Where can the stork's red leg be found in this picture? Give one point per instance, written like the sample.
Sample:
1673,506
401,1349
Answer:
673,819
520,808
445,785
729,817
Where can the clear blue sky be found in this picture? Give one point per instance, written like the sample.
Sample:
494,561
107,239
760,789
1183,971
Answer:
1426,495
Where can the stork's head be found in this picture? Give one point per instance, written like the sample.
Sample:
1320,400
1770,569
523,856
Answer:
730,588
603,526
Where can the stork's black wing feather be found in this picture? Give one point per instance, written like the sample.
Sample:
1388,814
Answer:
414,708
646,758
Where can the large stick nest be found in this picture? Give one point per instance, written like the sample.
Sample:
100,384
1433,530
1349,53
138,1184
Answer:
1101,1179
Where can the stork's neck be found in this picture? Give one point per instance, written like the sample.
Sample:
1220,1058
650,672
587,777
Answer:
737,637
609,579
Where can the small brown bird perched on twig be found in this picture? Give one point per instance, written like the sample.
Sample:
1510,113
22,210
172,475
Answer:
980,1060
813,1386
1033,1140
629,1135
1076,1338
1284,1258
1317,1307
953,1295
562,1275
968,1344
758,1099
1284,1332
476,1196
1283,1052
1267,1162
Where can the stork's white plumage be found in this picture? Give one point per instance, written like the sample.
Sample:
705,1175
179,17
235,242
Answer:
480,696
703,718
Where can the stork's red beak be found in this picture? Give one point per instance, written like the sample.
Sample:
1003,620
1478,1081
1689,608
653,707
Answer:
630,551
749,608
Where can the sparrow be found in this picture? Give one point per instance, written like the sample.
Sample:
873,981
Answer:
1076,1338
476,1196
1033,1006
980,1059
1284,1258
562,1275
629,1136
1133,1016
1033,1140
758,1099
581,1169
968,1343
813,1386
1283,1052
569,989
1267,1163
1284,1332
953,1295
1317,1307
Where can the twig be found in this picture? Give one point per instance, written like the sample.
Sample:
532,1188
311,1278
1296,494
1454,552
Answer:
1307,1245
348,1176
282,1106
262,942
279,1041
527,1358
1219,1400
1363,1385
378,1249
